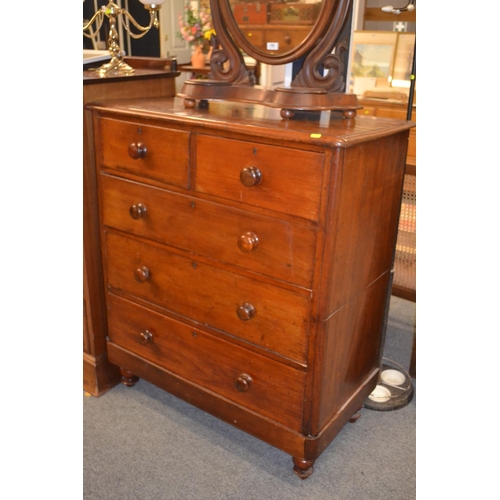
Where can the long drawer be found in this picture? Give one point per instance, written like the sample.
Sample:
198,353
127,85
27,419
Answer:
265,245
261,384
268,316
273,177
148,151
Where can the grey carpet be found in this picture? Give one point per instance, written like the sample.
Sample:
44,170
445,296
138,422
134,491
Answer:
141,443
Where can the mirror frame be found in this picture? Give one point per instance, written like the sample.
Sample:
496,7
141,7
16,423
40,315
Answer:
312,89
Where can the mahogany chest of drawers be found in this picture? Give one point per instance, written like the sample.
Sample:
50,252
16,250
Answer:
247,260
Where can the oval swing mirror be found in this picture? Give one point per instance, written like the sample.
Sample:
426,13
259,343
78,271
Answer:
278,33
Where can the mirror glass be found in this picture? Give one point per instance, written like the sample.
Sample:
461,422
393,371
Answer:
275,27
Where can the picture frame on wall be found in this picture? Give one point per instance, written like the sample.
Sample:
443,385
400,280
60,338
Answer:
372,60
403,59
381,61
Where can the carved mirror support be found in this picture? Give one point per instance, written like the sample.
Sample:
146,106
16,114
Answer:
318,85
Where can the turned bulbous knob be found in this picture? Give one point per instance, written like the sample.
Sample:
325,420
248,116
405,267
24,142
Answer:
246,311
250,176
142,274
243,382
248,241
137,150
137,211
145,337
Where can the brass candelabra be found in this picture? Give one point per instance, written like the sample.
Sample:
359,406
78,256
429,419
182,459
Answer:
117,66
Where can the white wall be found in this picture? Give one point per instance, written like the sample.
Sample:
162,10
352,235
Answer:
171,45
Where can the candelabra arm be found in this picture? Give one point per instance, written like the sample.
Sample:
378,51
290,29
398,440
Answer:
153,21
113,12
99,15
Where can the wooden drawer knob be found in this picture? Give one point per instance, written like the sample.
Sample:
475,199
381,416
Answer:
142,274
243,382
137,150
250,176
248,242
145,337
246,311
137,211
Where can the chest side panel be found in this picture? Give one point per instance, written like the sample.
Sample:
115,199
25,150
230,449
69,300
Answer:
362,220
366,222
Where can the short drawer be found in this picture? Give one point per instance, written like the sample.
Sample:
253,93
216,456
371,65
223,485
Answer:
245,377
273,177
266,245
273,318
151,152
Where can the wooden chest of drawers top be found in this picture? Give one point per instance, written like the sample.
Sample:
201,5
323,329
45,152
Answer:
312,131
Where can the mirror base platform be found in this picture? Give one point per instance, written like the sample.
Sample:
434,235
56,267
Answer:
289,100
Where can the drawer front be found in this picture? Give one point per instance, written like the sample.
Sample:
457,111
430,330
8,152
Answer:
245,377
267,316
151,152
262,244
285,180
286,39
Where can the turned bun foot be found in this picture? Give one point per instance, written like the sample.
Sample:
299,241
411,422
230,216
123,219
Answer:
303,468
287,113
355,417
128,378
